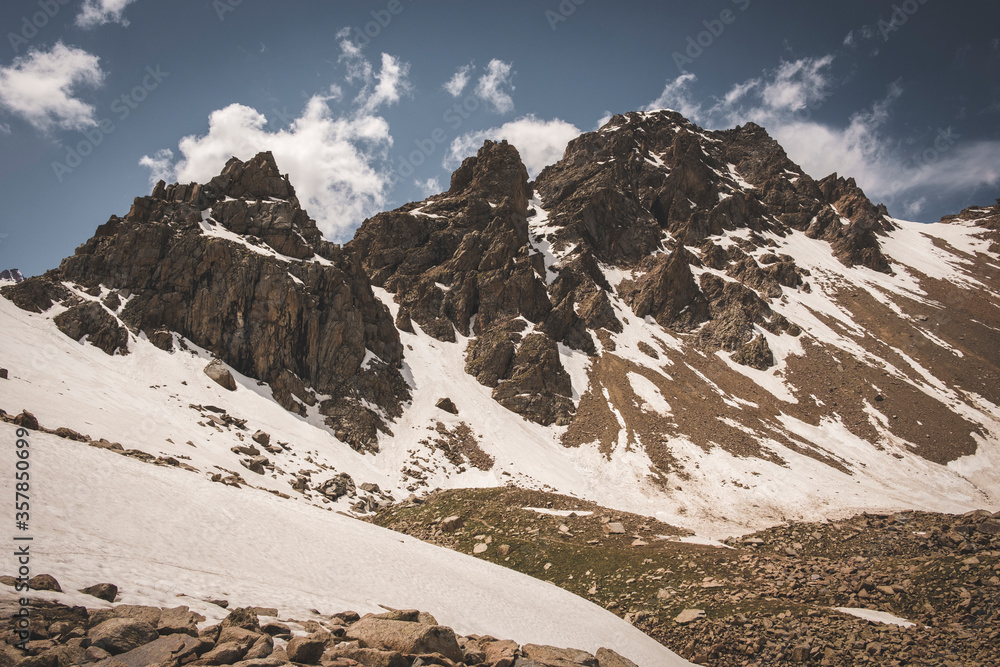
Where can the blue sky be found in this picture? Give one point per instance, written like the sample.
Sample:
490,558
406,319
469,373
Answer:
368,105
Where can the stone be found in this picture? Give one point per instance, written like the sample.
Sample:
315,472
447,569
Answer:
26,420
614,528
305,650
608,658
171,650
451,524
220,374
242,617
550,656
44,582
337,486
369,657
178,620
144,613
262,648
224,654
480,548
121,635
688,615
3,373
261,438
163,339
447,405
408,638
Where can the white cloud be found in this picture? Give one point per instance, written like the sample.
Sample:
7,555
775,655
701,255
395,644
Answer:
913,208
540,142
337,161
98,12
160,165
40,87
429,187
797,84
392,83
5,129
784,100
494,87
386,86
331,160
677,96
457,83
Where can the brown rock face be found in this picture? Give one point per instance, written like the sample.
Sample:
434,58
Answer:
283,306
461,261
101,328
669,293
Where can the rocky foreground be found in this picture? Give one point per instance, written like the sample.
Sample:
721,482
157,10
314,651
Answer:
771,598
139,636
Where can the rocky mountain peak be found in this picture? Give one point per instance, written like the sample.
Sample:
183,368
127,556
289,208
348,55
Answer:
236,267
495,172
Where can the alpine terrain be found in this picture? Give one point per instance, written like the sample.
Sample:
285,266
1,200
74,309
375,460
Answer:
670,339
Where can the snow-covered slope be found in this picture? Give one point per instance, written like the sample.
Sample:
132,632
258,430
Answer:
167,537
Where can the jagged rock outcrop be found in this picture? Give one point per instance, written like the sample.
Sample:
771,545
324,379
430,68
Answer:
460,263
11,275
100,327
275,302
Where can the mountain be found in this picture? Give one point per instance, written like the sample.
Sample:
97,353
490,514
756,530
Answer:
669,321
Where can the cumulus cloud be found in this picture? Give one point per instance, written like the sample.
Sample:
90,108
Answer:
540,142
494,86
431,186
337,158
160,165
677,96
459,80
784,101
94,13
384,87
331,160
41,88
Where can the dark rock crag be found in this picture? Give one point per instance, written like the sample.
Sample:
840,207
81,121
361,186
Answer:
238,268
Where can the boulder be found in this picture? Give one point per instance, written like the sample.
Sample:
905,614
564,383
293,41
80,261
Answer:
447,405
550,656
121,635
335,487
242,617
106,592
178,620
370,657
224,654
26,420
172,650
146,614
404,637
305,650
220,374
608,658
44,582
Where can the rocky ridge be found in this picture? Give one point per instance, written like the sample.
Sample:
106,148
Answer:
236,267
137,636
